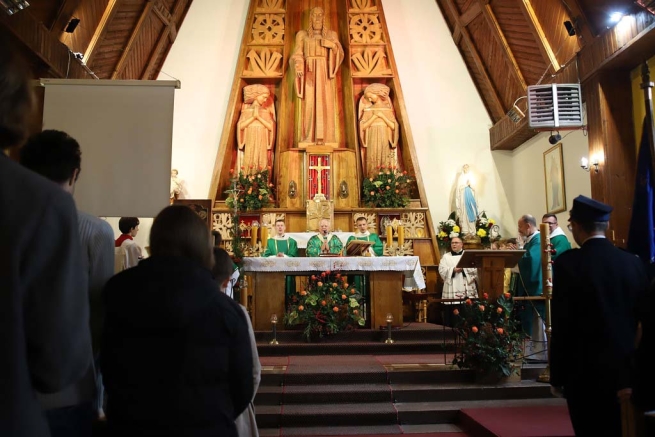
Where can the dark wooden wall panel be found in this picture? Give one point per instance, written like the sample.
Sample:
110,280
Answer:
551,16
90,13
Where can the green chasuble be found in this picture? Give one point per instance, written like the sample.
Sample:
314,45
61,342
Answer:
314,245
285,245
530,281
377,246
560,244
289,247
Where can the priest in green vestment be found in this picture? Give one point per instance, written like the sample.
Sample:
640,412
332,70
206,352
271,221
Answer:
281,245
363,234
324,242
557,237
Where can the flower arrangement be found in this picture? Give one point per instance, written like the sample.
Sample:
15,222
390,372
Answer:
486,229
328,305
388,189
253,191
491,337
448,229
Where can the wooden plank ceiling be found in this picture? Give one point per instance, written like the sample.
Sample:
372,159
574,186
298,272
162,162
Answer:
115,39
508,45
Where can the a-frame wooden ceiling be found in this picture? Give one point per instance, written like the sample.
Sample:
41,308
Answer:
115,39
508,45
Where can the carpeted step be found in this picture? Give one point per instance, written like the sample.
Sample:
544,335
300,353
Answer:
355,348
342,393
468,391
518,421
362,414
448,411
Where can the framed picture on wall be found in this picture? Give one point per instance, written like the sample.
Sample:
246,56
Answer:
554,177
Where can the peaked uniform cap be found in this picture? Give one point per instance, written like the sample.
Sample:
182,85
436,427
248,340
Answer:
586,209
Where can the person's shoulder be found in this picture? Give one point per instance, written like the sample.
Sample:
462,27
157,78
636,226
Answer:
97,225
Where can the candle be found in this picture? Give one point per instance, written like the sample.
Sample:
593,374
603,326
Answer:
389,235
253,235
264,235
401,235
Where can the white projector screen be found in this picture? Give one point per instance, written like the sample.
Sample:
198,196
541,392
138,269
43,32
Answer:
125,131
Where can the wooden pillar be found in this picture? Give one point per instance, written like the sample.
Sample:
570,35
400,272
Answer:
608,96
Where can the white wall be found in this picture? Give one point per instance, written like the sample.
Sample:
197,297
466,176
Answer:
203,58
522,174
449,123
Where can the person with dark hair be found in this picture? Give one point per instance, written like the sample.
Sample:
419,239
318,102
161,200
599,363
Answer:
44,309
57,156
130,251
176,355
597,290
246,423
557,237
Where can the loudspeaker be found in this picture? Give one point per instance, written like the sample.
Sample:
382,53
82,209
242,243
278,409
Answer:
72,25
569,28
554,139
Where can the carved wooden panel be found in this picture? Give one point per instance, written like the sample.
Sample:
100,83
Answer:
363,6
222,223
365,29
264,62
270,6
414,223
268,29
370,61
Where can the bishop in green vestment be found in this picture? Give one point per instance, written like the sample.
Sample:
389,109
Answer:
363,234
324,242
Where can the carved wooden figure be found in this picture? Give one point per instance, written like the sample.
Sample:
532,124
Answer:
316,58
256,129
378,129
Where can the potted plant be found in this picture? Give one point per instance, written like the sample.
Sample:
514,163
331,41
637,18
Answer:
491,338
250,191
328,305
387,189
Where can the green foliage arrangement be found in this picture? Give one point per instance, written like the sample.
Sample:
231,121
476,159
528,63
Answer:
390,188
253,191
491,337
329,305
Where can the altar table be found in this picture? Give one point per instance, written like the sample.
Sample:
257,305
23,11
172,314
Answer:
385,283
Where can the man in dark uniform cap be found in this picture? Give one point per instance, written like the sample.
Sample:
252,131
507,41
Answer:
596,290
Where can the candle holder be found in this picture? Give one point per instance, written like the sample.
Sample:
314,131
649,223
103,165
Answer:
274,327
389,340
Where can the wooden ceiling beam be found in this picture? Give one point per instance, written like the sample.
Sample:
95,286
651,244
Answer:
135,34
99,34
499,36
471,14
45,45
167,36
539,35
495,105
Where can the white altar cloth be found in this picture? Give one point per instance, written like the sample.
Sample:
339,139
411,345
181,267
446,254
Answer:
350,264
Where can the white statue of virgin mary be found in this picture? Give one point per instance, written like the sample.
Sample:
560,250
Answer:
465,203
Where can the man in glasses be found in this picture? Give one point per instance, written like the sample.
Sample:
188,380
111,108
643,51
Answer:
557,237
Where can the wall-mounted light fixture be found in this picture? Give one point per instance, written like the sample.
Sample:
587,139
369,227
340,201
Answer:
585,164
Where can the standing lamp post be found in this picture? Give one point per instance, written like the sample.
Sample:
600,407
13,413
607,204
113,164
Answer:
274,326
547,278
389,340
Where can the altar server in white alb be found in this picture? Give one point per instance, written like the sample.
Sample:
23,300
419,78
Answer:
459,283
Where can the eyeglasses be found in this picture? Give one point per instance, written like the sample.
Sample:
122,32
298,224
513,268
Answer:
569,227
551,223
